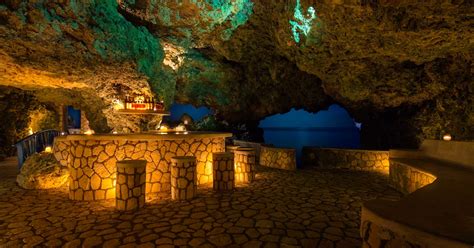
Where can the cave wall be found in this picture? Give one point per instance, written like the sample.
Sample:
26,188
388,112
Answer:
15,109
402,68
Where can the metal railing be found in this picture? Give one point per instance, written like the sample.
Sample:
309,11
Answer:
34,143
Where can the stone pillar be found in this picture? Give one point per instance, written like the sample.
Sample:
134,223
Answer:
244,165
223,170
130,186
183,178
231,148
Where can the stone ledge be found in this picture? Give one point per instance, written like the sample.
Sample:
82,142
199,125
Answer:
281,158
377,231
131,163
436,215
353,159
144,136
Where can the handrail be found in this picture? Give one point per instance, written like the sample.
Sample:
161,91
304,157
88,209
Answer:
34,143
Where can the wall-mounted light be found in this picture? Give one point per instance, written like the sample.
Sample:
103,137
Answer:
89,132
164,128
447,137
48,149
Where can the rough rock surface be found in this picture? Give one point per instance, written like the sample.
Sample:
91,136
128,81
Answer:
42,171
403,68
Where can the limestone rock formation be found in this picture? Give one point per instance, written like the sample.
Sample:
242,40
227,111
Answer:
42,171
403,68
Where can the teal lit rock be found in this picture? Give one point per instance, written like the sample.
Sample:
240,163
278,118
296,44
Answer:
303,23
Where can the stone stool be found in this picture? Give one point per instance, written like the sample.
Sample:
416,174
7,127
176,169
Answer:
244,165
130,187
183,178
231,148
223,171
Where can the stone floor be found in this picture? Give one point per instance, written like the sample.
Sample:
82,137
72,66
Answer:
306,208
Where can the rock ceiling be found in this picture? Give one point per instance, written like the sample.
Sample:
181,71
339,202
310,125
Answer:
251,58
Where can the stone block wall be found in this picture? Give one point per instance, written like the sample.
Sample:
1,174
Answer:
183,178
92,163
408,179
130,185
256,146
281,158
365,160
244,166
223,165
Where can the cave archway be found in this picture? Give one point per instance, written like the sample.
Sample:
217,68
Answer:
177,111
298,128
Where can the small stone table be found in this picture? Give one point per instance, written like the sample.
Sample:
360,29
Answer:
244,165
130,187
223,171
183,178
231,148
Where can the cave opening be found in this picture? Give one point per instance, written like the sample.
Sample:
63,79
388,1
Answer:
331,128
187,113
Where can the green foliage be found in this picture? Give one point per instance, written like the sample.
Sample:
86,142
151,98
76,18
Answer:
209,123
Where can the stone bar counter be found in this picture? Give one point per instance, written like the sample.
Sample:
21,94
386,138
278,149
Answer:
92,159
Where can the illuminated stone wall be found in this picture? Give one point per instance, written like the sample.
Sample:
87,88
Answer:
92,163
365,160
407,179
281,158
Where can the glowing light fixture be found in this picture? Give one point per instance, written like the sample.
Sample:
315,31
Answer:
180,128
447,137
48,149
164,128
302,24
30,131
89,132
118,104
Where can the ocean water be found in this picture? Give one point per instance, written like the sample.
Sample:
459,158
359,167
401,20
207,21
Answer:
347,137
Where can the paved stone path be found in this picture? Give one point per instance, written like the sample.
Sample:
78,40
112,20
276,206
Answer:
306,208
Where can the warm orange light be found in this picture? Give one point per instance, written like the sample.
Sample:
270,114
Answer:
48,149
164,128
447,137
89,132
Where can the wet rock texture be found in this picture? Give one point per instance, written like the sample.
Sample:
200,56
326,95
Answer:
42,171
92,164
307,208
408,179
280,158
364,160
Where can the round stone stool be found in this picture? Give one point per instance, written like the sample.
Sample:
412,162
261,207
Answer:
223,171
231,148
244,165
183,178
130,187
